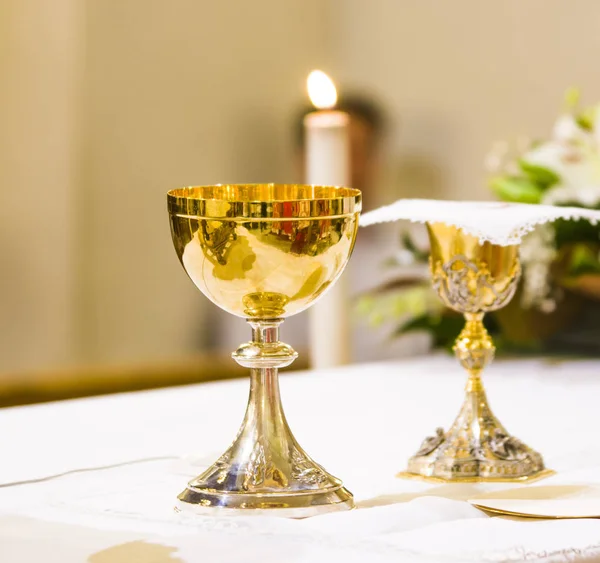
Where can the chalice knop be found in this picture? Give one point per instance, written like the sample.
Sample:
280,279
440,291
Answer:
264,252
473,278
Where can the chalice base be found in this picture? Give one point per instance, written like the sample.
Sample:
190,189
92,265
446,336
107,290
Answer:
477,448
298,505
269,476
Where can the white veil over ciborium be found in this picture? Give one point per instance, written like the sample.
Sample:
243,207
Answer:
497,222
475,267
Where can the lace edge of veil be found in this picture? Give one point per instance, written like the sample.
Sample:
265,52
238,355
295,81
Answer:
512,238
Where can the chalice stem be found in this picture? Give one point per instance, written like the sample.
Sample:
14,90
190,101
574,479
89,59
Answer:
265,431
265,411
265,422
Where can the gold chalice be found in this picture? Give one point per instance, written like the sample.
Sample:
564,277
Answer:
264,252
473,278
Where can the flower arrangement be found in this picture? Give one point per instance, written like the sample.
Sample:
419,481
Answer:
560,285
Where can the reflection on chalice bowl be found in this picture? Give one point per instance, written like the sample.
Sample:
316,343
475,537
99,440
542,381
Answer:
473,278
264,252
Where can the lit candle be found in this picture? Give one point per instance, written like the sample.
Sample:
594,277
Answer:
327,152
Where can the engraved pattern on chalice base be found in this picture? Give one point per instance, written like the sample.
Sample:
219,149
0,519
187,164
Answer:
264,252
472,279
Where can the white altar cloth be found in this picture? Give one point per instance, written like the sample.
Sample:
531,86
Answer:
125,457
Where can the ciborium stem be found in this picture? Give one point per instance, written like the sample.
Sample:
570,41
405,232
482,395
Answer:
265,468
474,349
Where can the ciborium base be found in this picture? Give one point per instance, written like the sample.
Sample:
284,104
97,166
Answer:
265,471
439,480
476,447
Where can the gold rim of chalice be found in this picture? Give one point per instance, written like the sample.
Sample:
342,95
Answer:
239,202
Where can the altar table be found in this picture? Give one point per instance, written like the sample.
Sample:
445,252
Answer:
95,479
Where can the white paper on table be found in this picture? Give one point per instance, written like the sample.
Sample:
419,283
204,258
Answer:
545,501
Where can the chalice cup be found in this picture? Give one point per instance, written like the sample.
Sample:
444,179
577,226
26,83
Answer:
264,252
473,278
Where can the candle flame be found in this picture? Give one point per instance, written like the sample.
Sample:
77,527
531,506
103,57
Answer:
321,90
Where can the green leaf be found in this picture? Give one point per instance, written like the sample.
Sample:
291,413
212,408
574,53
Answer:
395,305
585,121
399,284
540,175
584,260
408,243
571,232
491,324
572,96
587,118
520,190
444,328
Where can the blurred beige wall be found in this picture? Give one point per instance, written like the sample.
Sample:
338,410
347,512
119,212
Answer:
41,50
457,76
178,93
169,94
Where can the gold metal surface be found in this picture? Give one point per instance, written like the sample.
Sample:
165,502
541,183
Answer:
523,479
264,252
473,278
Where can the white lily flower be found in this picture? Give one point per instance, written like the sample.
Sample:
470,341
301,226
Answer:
404,257
596,128
537,254
567,130
584,195
575,166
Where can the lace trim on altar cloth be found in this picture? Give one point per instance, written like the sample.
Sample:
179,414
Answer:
499,223
569,555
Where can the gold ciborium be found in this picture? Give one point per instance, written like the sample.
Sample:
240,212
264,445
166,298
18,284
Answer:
264,252
473,278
